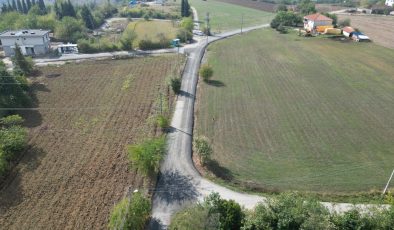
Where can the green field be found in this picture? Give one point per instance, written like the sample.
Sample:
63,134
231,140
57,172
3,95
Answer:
290,113
151,30
225,16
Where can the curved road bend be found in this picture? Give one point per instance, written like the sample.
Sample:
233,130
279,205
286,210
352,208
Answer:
180,183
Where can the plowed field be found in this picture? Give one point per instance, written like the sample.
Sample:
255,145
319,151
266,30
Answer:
76,167
379,28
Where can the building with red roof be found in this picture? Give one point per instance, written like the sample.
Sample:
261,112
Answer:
317,22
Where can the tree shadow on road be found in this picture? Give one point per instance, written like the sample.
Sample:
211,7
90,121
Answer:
174,187
186,94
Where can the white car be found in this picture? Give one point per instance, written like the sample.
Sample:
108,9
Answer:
198,32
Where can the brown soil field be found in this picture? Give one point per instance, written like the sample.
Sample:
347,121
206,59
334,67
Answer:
328,7
76,167
379,28
264,6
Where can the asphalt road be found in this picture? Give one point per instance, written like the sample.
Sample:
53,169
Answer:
179,183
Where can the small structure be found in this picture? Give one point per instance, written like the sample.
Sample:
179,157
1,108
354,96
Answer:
347,31
31,42
389,3
359,37
317,22
67,48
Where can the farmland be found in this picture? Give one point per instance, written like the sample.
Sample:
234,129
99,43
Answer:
379,28
307,114
225,16
84,116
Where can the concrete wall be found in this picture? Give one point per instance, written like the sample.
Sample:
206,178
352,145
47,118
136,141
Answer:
41,45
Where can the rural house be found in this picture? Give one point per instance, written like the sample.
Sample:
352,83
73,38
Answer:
347,31
317,22
389,3
359,37
32,42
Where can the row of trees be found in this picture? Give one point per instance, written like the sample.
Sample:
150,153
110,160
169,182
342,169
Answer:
13,94
23,6
286,211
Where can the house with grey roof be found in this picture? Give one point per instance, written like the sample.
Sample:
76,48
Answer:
31,42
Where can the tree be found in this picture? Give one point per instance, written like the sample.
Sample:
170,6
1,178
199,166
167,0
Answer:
19,5
175,83
286,19
230,213
21,63
42,7
306,7
69,29
195,217
24,7
146,156
203,149
14,6
333,17
29,5
127,39
206,72
281,7
344,22
87,17
185,8
130,213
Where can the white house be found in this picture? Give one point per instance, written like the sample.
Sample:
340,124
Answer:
317,22
389,3
32,42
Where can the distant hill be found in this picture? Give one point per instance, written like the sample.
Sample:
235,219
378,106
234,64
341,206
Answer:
73,1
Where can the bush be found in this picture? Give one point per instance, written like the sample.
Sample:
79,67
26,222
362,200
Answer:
130,213
203,149
281,29
11,120
230,213
286,18
196,217
162,121
184,35
176,84
344,23
147,44
146,156
206,72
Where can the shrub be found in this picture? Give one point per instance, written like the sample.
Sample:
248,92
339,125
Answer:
281,29
130,213
146,156
11,120
3,163
184,35
345,22
195,217
162,121
203,149
176,84
206,72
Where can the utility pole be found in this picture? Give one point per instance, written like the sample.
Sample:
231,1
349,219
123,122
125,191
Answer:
242,22
207,26
388,182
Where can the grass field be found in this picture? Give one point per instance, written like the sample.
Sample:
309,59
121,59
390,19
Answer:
152,29
379,28
291,113
225,16
76,168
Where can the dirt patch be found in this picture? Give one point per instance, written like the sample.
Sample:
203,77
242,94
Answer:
76,168
379,28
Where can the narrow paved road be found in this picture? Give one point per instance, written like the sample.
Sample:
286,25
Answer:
180,183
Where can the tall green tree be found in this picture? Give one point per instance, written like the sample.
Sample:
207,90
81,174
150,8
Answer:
29,5
19,5
87,17
24,7
21,64
33,2
14,6
42,6
306,7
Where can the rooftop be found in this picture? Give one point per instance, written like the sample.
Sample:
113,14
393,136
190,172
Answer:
317,17
24,33
348,29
